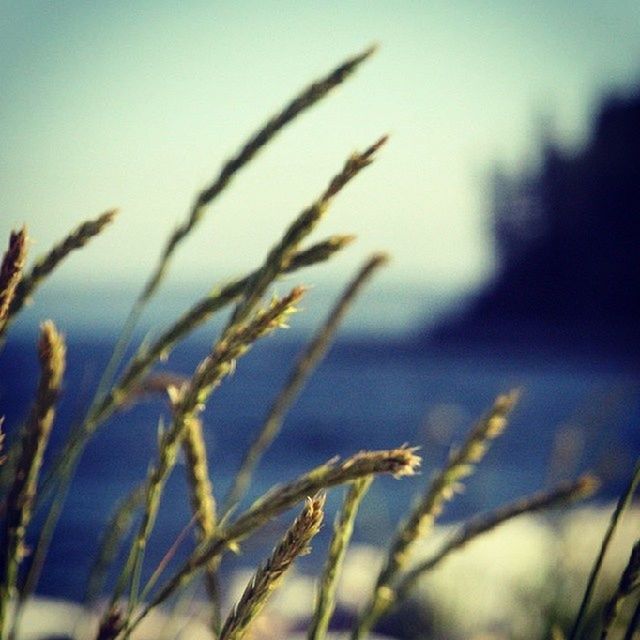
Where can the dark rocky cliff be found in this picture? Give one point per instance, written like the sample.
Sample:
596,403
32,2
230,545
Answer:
567,241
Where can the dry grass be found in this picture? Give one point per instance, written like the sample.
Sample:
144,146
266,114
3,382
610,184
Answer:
252,319
294,543
35,437
11,273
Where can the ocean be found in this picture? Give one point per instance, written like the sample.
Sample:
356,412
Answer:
375,389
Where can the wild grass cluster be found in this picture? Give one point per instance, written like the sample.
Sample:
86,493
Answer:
33,477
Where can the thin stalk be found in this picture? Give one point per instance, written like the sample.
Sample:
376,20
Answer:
306,99
397,462
3,458
46,264
148,355
203,506
51,352
202,311
281,254
483,523
634,623
621,507
10,274
629,582
342,532
303,101
115,531
41,549
269,576
442,488
304,367
167,557
188,402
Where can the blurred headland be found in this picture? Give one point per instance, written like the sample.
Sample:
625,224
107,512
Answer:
567,244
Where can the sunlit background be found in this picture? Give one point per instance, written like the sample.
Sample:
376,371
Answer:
136,106
490,107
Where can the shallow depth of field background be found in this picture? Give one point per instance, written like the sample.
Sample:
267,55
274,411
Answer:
498,119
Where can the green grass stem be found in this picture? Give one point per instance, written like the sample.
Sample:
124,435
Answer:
303,101
11,270
280,256
46,264
342,532
629,582
441,489
620,508
19,510
396,462
269,576
302,370
188,402
116,530
565,492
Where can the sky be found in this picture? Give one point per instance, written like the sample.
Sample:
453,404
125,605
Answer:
136,105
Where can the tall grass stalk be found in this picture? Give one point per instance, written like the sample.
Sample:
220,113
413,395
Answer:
269,576
116,530
621,507
396,462
51,353
342,532
97,412
280,256
629,582
2,437
566,492
188,402
159,349
196,316
47,263
442,488
304,367
10,274
303,101
634,623
203,504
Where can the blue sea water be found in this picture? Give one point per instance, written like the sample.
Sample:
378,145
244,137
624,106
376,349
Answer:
374,390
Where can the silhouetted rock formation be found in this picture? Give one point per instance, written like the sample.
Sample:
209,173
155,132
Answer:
567,240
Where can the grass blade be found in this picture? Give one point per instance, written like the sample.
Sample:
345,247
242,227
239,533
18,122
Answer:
306,99
280,256
187,403
45,265
268,577
203,505
303,368
397,462
117,528
343,530
481,524
634,623
442,488
629,582
196,316
621,506
51,352
10,274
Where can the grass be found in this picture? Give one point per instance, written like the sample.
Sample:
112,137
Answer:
219,530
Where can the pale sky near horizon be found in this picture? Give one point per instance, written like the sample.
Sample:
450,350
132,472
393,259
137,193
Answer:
137,104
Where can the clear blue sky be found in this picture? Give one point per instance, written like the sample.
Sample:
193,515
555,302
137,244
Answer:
137,104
